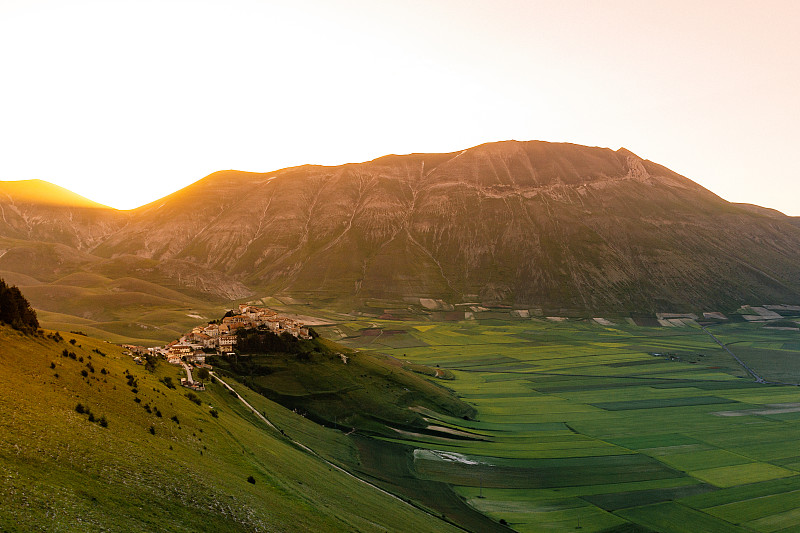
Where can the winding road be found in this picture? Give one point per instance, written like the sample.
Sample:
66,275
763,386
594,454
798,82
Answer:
321,458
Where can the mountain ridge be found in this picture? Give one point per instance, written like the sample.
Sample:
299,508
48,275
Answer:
554,226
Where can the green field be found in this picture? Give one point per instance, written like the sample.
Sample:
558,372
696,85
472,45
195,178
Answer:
609,428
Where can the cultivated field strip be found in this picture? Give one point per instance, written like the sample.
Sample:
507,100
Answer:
603,428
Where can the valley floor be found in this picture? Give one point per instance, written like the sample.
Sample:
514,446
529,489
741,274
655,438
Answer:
609,428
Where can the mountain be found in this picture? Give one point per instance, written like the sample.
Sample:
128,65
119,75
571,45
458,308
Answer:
559,227
39,211
773,213
530,224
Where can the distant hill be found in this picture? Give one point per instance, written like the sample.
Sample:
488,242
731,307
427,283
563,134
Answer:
44,193
558,227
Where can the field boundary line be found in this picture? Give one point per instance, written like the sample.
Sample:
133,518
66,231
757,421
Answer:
327,462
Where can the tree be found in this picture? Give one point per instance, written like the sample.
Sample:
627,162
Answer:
203,373
16,311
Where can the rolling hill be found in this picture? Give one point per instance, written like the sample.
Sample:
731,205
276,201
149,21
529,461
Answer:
557,227
93,441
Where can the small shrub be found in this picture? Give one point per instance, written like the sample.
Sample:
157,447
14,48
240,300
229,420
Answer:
65,353
251,479
103,371
103,421
174,418
137,400
152,430
79,408
72,342
91,417
52,365
72,355
158,413
214,413
80,359
84,373
193,397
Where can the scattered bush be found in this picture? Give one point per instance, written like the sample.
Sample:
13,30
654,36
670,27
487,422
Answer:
103,371
193,397
80,359
91,417
79,408
174,418
52,365
103,421
251,479
137,400
84,373
152,430
72,342
214,413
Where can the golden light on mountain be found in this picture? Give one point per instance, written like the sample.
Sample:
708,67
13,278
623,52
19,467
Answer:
126,102
44,193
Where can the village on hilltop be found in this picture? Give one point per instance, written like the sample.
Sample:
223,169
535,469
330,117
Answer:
220,336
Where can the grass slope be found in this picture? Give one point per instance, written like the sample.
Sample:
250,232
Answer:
184,470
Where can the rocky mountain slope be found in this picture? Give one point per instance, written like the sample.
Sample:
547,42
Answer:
528,224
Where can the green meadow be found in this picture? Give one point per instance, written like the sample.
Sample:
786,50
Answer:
607,428
91,441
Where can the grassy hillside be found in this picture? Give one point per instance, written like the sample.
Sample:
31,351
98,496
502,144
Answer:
162,462
340,387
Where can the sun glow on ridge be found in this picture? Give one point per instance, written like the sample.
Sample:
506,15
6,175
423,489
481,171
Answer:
125,102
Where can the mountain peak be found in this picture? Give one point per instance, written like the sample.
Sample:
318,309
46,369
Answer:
45,193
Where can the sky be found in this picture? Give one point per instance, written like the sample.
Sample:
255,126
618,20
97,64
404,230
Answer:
126,101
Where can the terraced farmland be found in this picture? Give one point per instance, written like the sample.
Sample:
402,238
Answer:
580,425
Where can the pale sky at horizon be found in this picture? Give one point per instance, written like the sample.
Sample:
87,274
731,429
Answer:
126,101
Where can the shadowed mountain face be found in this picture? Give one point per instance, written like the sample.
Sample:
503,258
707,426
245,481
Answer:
537,224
